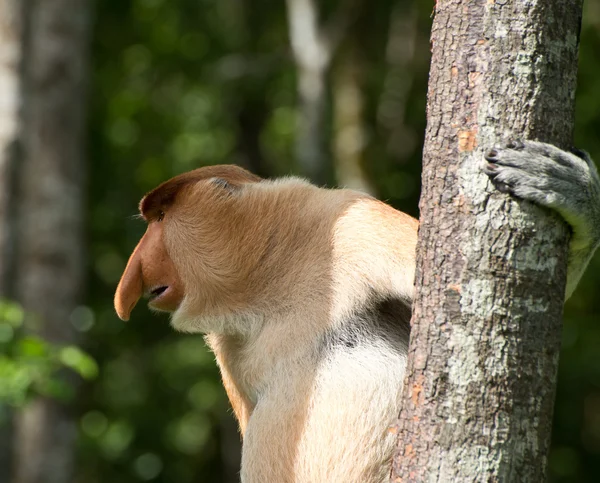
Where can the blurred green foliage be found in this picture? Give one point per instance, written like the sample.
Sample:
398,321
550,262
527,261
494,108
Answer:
184,83
30,365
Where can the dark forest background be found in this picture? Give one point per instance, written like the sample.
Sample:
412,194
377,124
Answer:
175,85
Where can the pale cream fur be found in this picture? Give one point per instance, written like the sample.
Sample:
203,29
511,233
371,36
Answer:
268,270
289,282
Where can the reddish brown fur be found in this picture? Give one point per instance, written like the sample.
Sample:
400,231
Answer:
285,279
266,269
225,349
164,195
149,267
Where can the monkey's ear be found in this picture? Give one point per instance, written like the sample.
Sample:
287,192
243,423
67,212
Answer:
224,184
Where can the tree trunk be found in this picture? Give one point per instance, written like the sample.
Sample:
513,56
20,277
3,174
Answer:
51,202
400,56
491,270
314,44
11,52
313,56
350,134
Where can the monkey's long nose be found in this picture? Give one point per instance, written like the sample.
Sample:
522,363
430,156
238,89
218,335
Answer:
130,286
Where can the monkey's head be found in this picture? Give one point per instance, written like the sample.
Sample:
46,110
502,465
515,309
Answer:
186,261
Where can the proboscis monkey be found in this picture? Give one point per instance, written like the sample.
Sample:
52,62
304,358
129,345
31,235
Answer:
305,295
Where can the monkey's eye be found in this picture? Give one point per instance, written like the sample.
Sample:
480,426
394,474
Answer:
161,216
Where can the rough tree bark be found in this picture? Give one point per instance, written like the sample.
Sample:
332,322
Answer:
50,205
491,270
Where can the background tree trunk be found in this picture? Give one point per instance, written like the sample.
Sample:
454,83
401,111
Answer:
350,135
313,56
400,56
11,52
314,44
50,263
491,270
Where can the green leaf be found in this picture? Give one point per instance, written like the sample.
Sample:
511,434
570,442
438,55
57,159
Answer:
6,332
16,381
11,313
33,347
55,388
76,359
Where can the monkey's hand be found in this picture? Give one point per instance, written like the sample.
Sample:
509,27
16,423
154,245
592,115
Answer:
566,182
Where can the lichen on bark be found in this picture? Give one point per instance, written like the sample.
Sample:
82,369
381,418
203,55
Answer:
491,270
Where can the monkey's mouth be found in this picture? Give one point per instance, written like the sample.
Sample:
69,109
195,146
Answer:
164,298
157,292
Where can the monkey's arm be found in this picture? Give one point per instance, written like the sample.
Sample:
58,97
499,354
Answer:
563,181
221,345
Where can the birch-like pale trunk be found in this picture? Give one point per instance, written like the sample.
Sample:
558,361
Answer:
483,355
12,14
314,44
312,54
350,137
11,99
50,263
